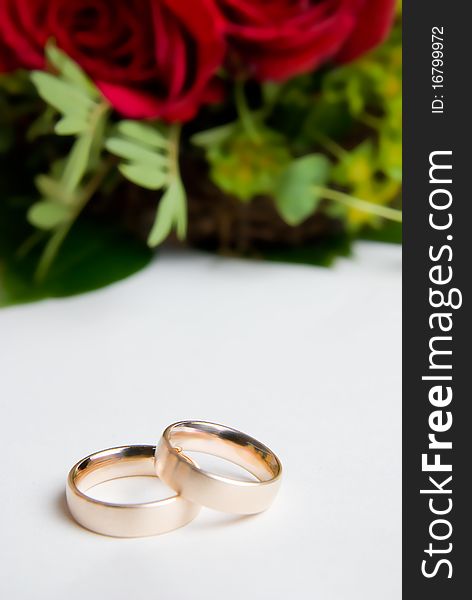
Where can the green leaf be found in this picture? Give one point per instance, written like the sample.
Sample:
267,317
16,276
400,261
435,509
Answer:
145,133
322,253
154,164
163,222
169,212
47,215
135,152
63,96
77,162
70,69
181,210
145,176
99,126
51,188
293,190
390,232
92,257
43,125
215,136
71,126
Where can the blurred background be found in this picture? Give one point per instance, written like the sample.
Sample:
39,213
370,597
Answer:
290,171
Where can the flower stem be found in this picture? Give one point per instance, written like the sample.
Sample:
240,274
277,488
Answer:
375,209
58,237
244,112
335,149
181,219
371,121
174,146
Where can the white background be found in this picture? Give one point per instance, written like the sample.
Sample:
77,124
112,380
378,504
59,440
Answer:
305,359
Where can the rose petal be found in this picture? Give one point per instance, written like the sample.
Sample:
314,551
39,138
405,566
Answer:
372,26
23,31
132,103
279,39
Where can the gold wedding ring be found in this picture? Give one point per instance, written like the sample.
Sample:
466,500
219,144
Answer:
212,490
123,520
194,486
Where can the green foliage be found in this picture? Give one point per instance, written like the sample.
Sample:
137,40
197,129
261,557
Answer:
390,141
244,163
47,214
356,166
18,102
371,90
171,212
278,145
7,136
137,153
271,149
83,114
52,189
363,174
44,124
246,166
390,233
217,136
70,71
293,190
360,103
92,257
77,162
153,135
150,152
141,174
322,254
62,95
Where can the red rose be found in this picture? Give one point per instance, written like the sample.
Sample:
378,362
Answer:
277,39
150,58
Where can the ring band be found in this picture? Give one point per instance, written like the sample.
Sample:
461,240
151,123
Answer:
123,520
211,490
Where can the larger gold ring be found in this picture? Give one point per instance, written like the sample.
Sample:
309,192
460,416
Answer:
211,490
123,520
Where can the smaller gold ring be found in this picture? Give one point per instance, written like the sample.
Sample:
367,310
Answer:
123,520
209,489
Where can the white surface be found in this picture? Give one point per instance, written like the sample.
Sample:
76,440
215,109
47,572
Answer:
305,359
